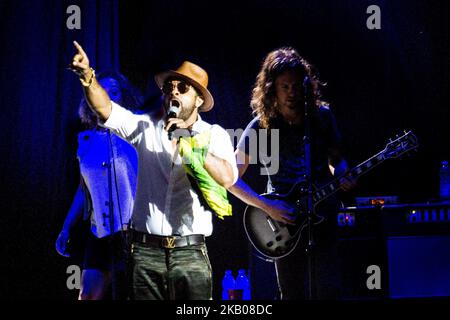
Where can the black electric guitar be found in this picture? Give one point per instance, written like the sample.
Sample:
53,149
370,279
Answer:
275,239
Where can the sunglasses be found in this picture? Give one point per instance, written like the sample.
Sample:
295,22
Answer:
182,87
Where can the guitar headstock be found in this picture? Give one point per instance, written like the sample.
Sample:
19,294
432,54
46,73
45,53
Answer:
401,145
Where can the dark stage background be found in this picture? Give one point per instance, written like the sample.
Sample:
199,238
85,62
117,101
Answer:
379,83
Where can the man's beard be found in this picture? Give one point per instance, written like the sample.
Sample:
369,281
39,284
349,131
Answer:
186,113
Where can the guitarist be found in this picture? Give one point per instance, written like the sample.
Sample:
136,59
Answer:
278,101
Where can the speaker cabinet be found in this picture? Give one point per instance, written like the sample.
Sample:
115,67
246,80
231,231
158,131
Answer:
419,266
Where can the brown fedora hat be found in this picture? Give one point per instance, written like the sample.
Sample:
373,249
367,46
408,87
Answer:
193,74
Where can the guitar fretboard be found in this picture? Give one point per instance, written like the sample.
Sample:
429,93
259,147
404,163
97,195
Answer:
332,187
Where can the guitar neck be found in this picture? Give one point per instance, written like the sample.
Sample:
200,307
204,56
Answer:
332,187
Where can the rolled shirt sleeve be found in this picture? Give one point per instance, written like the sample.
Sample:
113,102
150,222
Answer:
221,147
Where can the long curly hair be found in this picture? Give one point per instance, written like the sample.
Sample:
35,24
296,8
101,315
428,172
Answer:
131,98
263,101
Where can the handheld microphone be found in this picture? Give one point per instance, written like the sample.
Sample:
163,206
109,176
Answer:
174,110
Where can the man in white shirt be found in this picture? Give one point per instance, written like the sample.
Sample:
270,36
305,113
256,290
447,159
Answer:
170,218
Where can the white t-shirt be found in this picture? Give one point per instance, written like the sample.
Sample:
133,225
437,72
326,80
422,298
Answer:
166,203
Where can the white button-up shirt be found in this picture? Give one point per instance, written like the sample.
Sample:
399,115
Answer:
166,203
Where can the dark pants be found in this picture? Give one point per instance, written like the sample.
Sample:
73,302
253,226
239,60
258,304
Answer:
293,271
177,274
109,254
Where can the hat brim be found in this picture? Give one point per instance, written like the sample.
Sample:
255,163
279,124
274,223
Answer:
208,103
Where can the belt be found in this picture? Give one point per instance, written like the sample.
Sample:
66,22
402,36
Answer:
168,242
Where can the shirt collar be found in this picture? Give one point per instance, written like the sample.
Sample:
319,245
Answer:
198,126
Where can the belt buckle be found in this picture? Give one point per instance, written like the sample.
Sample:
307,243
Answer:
168,242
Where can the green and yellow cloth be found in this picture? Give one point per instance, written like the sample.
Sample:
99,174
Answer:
193,151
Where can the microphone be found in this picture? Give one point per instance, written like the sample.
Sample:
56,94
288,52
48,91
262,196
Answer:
308,94
307,86
174,110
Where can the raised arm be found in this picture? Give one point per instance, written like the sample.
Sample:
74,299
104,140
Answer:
96,96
